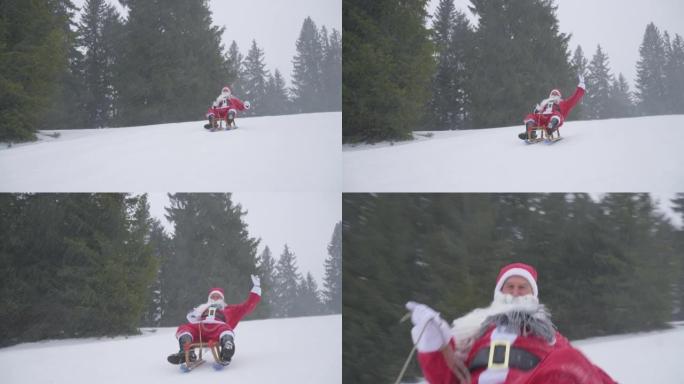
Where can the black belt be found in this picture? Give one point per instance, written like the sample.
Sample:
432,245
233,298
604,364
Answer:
517,358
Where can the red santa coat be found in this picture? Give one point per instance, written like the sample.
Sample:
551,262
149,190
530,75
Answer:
220,322
223,105
560,109
560,363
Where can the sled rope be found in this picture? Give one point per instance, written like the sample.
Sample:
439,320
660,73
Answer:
458,368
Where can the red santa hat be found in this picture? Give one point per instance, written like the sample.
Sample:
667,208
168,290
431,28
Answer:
216,290
555,92
517,269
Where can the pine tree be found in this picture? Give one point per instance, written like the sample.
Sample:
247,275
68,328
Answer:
650,83
235,70
332,283
254,78
331,69
451,34
307,79
620,104
211,248
579,65
598,81
387,64
285,290
308,301
520,55
171,62
266,272
33,56
99,25
276,101
674,74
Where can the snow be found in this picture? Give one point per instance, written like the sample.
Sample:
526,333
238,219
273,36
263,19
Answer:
653,357
287,153
294,350
613,155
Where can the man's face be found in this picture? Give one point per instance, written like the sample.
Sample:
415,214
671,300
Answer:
516,286
215,296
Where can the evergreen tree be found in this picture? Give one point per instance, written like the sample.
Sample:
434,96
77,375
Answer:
332,294
285,290
332,72
161,245
235,70
87,272
599,82
276,101
308,301
650,83
211,248
171,62
98,28
387,64
266,271
674,75
520,55
33,56
579,65
620,104
451,35
307,79
254,79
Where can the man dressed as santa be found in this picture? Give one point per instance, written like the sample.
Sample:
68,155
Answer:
511,341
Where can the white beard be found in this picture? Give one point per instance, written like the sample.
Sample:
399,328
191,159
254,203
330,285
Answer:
217,303
468,328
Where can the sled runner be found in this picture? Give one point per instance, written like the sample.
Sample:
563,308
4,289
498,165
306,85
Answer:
542,133
221,124
190,364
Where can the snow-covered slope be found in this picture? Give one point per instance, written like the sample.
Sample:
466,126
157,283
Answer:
270,153
296,350
653,357
616,155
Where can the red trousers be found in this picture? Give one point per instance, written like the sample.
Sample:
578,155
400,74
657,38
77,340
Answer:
209,331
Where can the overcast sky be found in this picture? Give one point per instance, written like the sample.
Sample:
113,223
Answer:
617,25
274,24
303,221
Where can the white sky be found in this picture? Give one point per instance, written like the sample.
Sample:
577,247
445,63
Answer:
617,25
303,221
275,25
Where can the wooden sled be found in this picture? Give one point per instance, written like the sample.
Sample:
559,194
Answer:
542,134
190,365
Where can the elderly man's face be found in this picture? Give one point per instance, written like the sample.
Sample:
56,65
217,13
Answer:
517,286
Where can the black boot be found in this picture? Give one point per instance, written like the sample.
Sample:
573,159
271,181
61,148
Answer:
179,358
227,349
528,127
553,125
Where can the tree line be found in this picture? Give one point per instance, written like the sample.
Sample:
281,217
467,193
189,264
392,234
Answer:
165,62
607,266
401,76
83,265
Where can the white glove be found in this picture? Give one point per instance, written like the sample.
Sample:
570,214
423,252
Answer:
581,82
430,332
257,284
248,105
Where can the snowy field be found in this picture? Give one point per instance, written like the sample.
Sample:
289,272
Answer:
615,155
295,350
653,357
268,154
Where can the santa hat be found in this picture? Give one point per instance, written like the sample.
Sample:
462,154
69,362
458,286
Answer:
555,92
517,269
216,290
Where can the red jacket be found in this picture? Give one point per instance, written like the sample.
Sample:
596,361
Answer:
566,105
231,102
560,363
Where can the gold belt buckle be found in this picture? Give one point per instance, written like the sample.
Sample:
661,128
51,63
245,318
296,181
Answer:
492,347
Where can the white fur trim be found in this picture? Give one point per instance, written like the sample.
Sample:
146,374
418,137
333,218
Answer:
215,291
517,272
497,375
179,335
226,333
257,290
